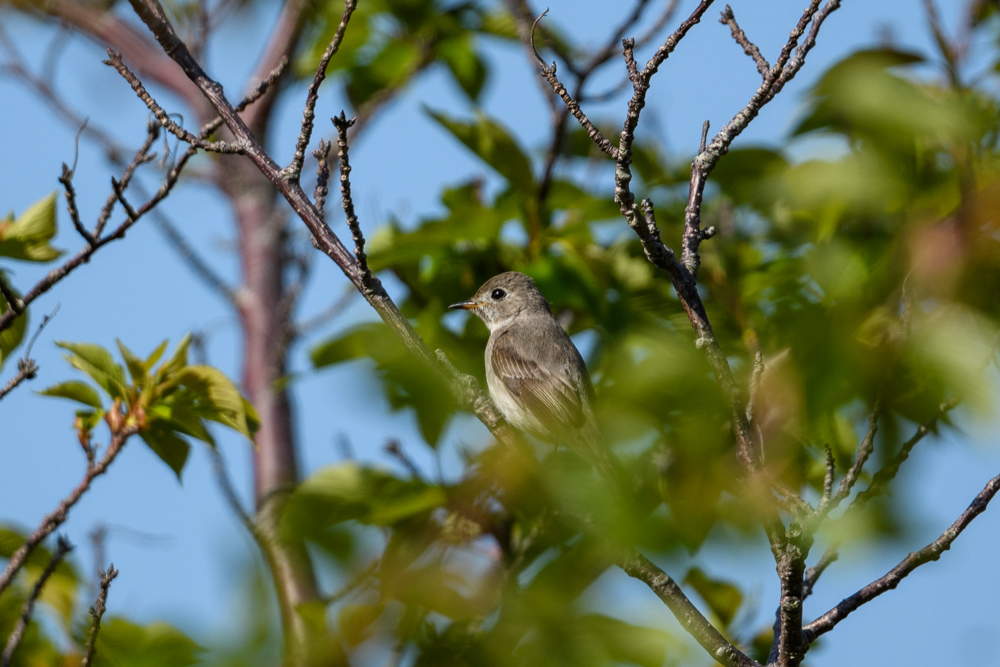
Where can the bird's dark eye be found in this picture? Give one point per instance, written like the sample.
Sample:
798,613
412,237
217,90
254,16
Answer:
497,294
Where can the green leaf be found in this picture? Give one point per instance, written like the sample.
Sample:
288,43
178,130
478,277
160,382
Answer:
723,598
464,64
218,399
122,643
494,145
624,642
166,444
409,383
155,356
28,237
175,363
96,362
12,336
177,414
136,367
347,491
75,390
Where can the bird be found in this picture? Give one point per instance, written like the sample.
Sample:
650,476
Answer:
535,374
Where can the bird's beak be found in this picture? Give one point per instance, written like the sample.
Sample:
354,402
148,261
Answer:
465,305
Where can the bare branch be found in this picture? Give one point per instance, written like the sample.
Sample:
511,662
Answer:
891,579
198,266
831,469
141,157
63,547
472,398
864,451
97,613
342,123
814,572
84,255
15,305
888,472
56,518
309,113
26,370
322,176
74,214
222,477
692,620
549,74
26,366
749,47
115,60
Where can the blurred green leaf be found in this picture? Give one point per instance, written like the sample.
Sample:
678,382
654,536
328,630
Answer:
464,63
97,363
494,146
172,449
722,597
122,643
74,390
27,238
218,399
11,337
351,491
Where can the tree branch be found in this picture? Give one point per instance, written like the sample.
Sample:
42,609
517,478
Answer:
84,255
309,113
97,613
891,579
639,567
343,124
471,396
749,48
63,547
56,518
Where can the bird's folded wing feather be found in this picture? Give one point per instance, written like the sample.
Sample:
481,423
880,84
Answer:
550,390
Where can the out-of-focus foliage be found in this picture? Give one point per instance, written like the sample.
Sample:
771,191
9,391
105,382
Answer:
166,406
62,607
870,276
25,238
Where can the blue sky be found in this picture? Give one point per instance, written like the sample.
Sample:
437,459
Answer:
176,544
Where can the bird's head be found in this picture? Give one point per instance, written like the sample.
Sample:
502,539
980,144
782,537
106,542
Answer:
504,297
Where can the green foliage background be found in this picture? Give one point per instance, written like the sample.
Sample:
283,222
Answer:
869,276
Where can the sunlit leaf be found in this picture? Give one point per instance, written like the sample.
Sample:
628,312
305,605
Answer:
81,392
27,238
97,362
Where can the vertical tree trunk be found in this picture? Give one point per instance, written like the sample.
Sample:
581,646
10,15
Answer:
261,237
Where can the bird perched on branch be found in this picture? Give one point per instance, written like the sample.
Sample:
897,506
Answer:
535,374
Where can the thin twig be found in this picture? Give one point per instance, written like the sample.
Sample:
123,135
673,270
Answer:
56,518
115,60
222,477
813,573
141,156
15,305
198,266
343,123
66,178
97,613
63,547
891,579
749,47
640,567
309,112
549,74
27,368
322,176
864,451
84,255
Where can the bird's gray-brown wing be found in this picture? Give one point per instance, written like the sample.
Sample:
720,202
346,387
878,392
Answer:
549,380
